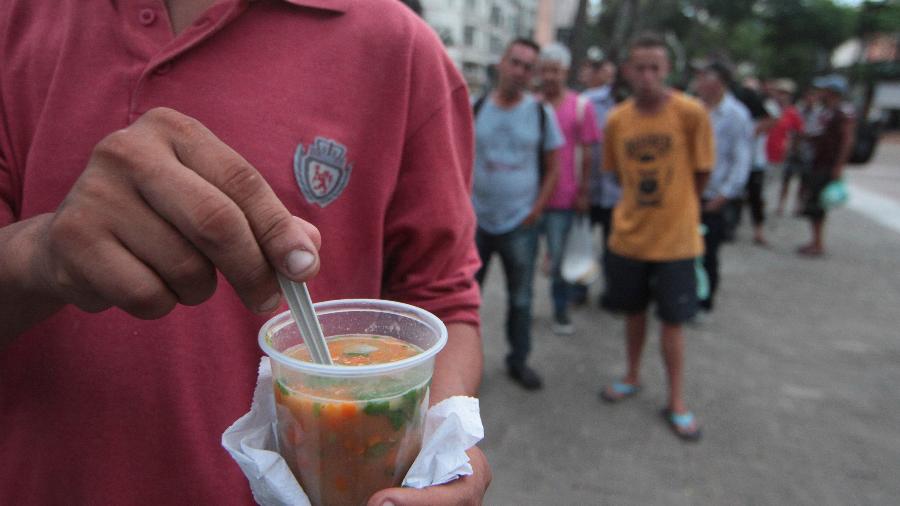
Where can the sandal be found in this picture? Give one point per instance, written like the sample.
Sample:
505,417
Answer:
684,425
619,391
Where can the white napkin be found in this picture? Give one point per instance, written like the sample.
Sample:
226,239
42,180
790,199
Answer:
452,426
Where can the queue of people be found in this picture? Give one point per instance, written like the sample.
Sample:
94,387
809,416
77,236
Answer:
665,177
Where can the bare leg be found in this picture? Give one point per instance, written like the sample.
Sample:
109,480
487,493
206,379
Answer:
816,245
817,229
635,336
782,196
672,349
759,237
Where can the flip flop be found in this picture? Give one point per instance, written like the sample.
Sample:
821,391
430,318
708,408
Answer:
619,391
681,423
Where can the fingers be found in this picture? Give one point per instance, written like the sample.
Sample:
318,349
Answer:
468,490
227,211
160,206
460,491
283,240
95,272
185,271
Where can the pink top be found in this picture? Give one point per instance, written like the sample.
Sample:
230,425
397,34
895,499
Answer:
584,133
107,409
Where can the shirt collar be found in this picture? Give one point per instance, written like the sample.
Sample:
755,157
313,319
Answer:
724,104
328,5
599,91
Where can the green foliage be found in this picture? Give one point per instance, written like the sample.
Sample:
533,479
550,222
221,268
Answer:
879,17
781,38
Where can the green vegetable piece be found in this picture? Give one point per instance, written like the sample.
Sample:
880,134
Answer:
282,388
376,407
412,397
317,409
360,350
378,450
397,418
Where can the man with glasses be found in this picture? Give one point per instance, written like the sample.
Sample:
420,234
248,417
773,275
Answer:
516,139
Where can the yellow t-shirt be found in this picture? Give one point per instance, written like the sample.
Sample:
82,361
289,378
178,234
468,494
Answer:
655,157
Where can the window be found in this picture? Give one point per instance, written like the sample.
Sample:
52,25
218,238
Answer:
496,45
469,36
496,17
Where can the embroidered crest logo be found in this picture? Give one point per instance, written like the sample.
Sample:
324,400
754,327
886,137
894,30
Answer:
321,170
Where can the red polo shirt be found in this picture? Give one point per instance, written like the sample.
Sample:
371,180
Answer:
355,116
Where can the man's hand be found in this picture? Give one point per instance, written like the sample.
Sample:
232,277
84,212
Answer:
583,202
532,217
161,206
468,490
715,204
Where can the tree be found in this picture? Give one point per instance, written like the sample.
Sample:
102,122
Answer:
781,38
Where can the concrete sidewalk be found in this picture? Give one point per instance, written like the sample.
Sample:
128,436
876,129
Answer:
796,380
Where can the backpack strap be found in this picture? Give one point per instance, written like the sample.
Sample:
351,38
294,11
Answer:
580,104
542,120
478,103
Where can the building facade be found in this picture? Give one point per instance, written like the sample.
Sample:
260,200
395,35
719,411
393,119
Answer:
475,32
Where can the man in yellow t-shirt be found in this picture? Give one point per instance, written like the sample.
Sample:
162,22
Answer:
659,143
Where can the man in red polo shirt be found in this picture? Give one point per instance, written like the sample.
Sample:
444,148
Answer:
163,161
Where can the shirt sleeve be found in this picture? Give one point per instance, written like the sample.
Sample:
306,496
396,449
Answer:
796,121
7,201
741,146
609,146
553,136
430,258
703,149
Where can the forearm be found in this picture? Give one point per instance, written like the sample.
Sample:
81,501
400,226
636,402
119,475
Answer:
700,180
548,184
846,148
458,368
23,302
587,162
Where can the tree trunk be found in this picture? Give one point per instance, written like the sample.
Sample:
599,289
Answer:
578,42
623,28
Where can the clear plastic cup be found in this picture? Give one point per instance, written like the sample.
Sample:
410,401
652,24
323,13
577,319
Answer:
349,431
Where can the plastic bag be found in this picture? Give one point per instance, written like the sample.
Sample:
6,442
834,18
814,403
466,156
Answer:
834,194
700,272
579,262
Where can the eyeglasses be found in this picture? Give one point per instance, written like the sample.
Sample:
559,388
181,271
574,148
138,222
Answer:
519,63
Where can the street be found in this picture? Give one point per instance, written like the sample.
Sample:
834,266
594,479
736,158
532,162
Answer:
795,378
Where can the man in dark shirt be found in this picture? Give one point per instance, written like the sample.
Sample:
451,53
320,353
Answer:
831,148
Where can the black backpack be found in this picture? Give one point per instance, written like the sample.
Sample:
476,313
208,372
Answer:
542,120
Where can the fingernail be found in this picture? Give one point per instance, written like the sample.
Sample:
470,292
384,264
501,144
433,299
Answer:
270,303
298,261
387,503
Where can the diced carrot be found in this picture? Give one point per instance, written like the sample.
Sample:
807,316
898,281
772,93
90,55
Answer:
348,409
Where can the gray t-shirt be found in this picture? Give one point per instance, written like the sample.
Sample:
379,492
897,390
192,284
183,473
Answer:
507,179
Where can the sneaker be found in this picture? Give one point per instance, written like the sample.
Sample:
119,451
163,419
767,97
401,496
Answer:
562,325
525,377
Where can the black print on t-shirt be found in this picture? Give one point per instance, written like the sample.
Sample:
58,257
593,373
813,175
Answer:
650,152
